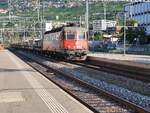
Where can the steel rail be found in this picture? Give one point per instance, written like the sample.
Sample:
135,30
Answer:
128,104
117,68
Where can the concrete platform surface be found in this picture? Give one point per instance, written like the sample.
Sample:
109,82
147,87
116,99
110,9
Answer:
133,58
23,90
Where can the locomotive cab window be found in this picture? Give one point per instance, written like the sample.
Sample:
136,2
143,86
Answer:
70,35
81,36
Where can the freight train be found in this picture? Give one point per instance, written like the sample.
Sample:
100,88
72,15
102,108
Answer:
66,42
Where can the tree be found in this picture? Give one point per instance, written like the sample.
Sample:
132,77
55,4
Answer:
98,36
9,25
142,36
134,34
131,23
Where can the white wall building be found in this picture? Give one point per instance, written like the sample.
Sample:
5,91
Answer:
140,11
99,25
102,25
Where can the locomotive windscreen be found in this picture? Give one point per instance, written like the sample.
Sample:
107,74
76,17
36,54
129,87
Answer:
81,36
70,35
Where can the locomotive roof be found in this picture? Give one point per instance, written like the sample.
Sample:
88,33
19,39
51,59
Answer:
65,28
54,30
74,28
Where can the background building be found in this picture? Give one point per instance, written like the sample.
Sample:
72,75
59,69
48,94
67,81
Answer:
103,25
99,25
139,11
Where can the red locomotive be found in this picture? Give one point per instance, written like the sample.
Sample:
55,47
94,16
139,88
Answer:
68,42
65,42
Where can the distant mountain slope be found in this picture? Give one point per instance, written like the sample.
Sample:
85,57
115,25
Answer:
3,4
3,0
95,10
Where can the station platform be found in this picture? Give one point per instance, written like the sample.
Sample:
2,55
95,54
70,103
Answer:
24,90
141,59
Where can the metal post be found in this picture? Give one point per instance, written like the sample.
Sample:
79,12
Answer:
124,33
80,21
9,3
131,10
104,5
24,30
93,41
2,33
34,26
42,23
38,9
87,16
1,36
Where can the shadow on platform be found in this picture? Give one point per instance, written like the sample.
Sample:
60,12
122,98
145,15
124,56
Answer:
15,70
144,58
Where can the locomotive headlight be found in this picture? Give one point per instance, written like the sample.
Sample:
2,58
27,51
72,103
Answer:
68,47
76,43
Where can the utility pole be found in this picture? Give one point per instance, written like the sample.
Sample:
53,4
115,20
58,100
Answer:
24,30
131,10
2,33
80,21
104,5
1,37
34,26
9,8
87,16
38,9
42,23
124,33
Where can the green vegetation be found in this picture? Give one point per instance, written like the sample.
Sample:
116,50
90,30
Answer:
3,5
131,23
135,35
95,11
97,36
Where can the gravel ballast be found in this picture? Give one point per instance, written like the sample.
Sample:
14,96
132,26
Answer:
138,99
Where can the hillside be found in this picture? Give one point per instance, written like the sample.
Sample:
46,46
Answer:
3,4
3,0
95,10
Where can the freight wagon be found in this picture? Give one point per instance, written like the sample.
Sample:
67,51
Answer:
66,42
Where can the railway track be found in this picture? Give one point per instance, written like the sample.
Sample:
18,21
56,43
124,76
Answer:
94,98
125,69
115,67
